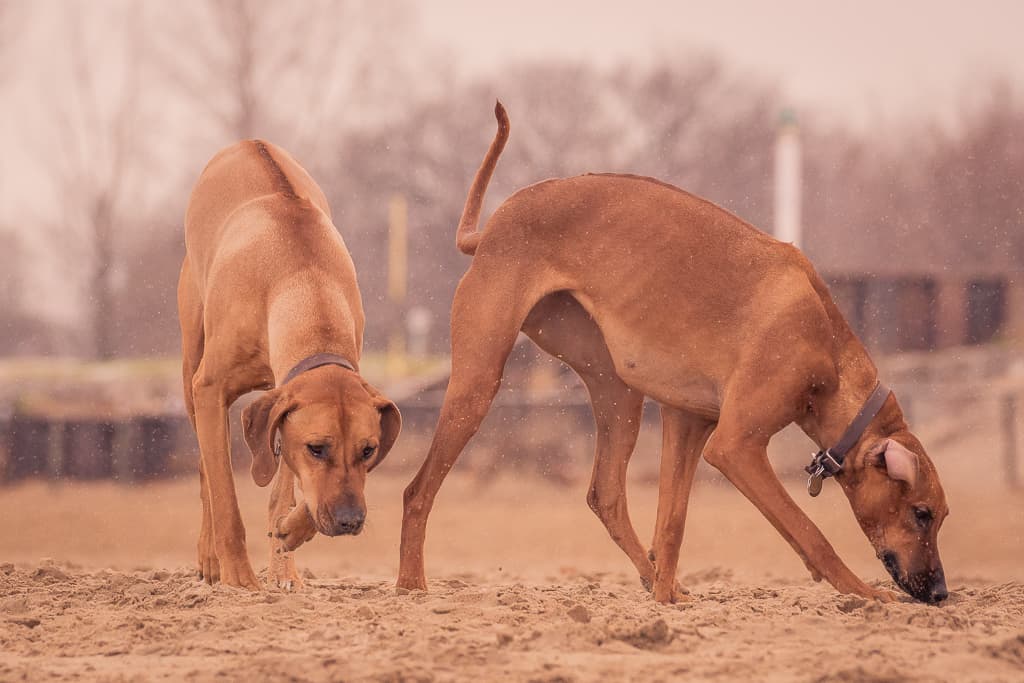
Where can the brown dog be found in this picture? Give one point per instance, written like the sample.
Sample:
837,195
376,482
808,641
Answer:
268,297
646,290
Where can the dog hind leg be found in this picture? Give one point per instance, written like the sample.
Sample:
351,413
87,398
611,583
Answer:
560,326
487,313
617,413
683,439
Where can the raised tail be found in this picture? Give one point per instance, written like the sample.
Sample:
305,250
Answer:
466,237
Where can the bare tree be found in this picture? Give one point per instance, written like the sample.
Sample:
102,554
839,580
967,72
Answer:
688,122
975,183
704,128
20,330
9,19
145,312
944,199
97,151
247,65
283,70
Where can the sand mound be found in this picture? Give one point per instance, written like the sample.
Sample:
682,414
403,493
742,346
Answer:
62,622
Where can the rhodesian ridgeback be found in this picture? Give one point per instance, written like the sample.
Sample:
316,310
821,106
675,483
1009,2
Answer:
268,300
646,290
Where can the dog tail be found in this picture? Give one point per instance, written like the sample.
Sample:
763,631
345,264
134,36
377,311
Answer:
467,237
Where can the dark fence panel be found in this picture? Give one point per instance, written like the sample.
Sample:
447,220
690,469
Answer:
131,449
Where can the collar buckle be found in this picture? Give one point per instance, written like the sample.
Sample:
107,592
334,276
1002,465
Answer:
823,465
826,462
829,462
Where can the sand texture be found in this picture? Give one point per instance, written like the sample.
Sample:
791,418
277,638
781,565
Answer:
524,585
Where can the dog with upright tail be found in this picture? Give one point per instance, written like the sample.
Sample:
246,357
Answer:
268,299
646,290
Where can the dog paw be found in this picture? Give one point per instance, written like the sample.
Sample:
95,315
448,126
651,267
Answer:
672,594
208,566
288,580
663,594
236,571
294,529
282,572
882,595
417,583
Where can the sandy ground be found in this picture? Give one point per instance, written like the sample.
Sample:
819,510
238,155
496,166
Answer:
525,585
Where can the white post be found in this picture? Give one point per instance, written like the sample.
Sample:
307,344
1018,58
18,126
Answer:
419,322
787,180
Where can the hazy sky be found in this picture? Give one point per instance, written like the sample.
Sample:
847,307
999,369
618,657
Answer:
853,62
862,60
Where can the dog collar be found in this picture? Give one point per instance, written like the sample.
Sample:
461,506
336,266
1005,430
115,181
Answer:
317,361
829,462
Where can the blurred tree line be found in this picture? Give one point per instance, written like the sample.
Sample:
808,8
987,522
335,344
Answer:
345,87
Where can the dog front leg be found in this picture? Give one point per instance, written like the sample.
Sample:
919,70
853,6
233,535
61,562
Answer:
211,401
209,567
289,527
744,462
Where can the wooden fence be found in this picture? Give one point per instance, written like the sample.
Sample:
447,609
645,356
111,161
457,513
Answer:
131,449
537,421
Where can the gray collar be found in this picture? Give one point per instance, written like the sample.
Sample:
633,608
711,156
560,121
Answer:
316,361
829,462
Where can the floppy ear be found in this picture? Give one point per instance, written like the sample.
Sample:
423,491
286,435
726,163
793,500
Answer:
900,463
260,422
390,425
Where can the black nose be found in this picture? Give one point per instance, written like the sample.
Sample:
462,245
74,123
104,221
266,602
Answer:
938,591
928,586
348,520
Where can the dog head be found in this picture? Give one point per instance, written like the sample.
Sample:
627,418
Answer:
333,428
897,498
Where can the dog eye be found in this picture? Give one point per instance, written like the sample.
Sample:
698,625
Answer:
368,451
923,516
317,450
